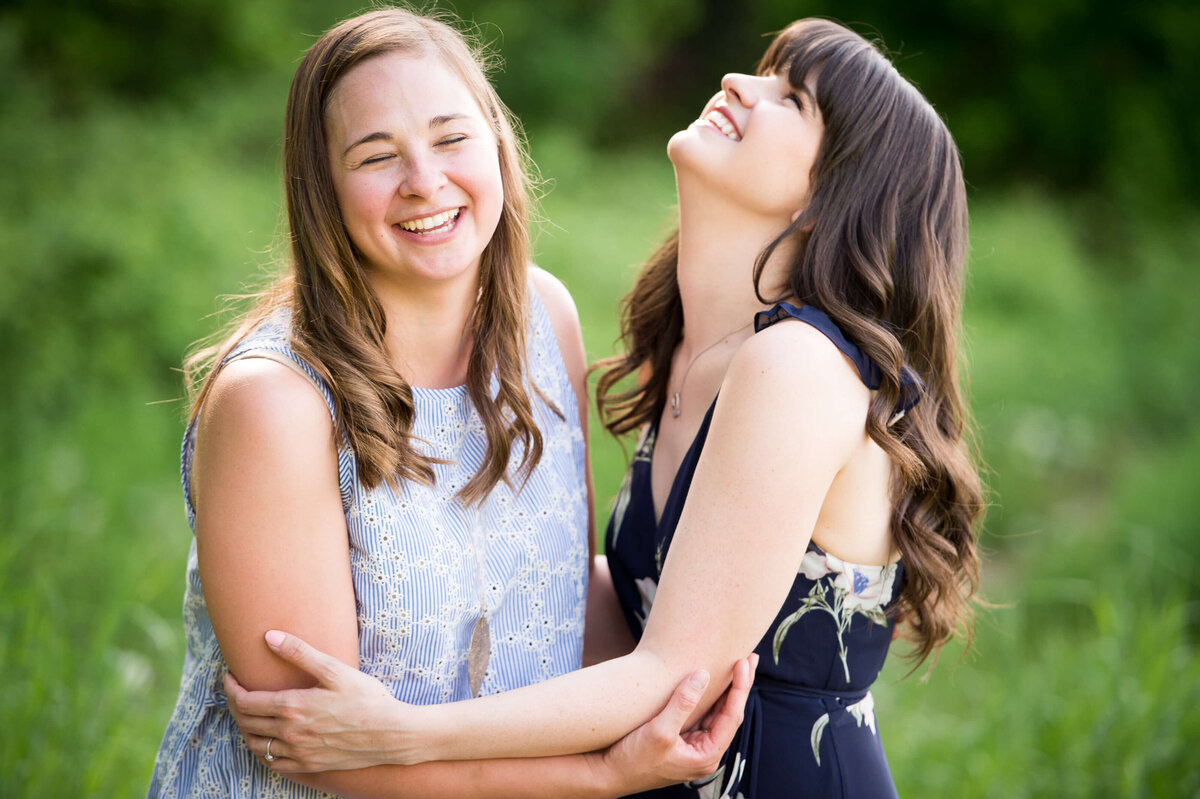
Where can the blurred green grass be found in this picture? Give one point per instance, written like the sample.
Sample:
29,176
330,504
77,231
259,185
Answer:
124,222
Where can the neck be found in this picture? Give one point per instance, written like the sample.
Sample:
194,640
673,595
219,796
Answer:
718,247
428,339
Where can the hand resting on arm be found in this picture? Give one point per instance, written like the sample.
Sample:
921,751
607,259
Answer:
780,433
286,557
345,708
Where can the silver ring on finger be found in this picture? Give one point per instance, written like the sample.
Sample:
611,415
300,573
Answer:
270,758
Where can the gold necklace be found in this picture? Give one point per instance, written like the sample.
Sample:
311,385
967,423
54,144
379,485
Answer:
676,402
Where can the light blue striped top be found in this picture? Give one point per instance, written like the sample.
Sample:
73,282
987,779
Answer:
415,573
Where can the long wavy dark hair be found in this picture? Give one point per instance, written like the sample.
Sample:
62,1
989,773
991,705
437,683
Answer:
338,323
881,249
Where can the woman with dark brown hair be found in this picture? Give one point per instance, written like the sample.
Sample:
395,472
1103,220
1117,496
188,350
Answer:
801,477
388,453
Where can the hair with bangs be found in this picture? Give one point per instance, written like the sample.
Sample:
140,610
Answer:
338,323
880,247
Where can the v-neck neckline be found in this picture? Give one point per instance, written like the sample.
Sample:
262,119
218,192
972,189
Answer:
679,470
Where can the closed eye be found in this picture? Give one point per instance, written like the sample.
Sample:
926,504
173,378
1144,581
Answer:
451,140
376,159
795,98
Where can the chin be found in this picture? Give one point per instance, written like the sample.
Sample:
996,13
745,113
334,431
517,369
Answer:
695,172
682,147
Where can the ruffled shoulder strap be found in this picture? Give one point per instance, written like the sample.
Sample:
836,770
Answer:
868,371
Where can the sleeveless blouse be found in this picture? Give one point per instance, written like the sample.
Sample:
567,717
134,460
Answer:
415,573
809,728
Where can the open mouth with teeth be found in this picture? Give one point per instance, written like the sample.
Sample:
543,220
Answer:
428,225
721,122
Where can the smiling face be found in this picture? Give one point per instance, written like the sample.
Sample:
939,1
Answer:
415,169
754,145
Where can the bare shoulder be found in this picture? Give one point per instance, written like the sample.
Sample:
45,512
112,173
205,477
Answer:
560,306
794,375
264,438
793,353
258,400
564,318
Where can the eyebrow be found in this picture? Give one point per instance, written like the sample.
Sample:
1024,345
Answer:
380,135
443,119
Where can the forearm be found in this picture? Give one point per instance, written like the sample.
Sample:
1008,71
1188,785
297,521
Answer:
581,711
585,776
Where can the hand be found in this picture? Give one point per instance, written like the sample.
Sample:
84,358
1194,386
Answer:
660,753
347,721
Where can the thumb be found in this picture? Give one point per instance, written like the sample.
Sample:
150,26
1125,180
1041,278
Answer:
684,700
300,654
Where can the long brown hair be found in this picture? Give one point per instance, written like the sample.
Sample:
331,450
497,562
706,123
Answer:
881,249
338,323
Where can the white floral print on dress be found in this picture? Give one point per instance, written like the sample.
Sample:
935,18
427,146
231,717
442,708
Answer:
855,589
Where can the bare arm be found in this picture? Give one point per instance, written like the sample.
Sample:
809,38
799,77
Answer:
270,534
791,412
640,765
544,778
272,545
271,541
655,754
273,552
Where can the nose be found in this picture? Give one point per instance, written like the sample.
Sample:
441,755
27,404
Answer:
742,88
424,177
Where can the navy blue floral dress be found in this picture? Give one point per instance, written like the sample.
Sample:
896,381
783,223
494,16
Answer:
809,729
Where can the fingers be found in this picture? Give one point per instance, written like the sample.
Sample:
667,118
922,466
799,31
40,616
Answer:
299,653
233,691
232,684
726,720
265,726
751,662
249,707
681,704
280,762
258,745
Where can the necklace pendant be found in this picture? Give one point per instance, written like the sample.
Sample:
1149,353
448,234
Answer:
675,405
478,654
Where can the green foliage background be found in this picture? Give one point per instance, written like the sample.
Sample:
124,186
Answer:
139,153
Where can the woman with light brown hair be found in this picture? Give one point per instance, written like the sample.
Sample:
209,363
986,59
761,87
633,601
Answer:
388,454
802,475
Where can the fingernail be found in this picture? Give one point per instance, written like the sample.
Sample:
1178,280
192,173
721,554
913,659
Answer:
274,638
699,680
